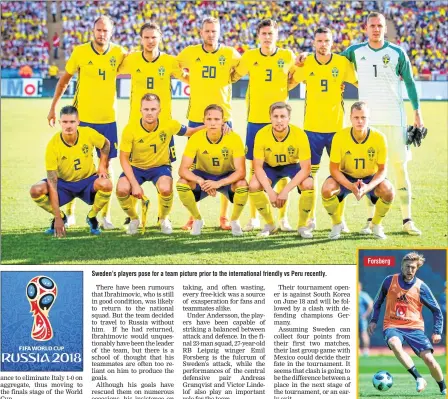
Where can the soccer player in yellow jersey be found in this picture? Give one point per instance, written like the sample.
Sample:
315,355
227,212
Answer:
268,68
281,150
145,156
324,74
71,172
358,165
210,65
220,167
96,64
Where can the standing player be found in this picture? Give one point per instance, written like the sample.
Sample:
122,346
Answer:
210,65
381,66
281,150
96,63
365,307
405,295
220,166
324,75
145,156
268,68
71,172
151,71
358,165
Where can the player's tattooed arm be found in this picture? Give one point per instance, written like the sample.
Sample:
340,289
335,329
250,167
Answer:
52,180
104,156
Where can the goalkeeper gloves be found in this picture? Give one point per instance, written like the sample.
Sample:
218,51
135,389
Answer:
415,135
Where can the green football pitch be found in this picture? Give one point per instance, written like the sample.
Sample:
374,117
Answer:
24,136
404,383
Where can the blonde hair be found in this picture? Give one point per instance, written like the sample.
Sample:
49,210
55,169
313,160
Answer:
150,97
414,257
209,20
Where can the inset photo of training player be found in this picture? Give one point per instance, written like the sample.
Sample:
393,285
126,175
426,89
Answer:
401,310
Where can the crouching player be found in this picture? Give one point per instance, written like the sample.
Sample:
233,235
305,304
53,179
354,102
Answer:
281,150
358,165
145,156
71,172
405,295
220,166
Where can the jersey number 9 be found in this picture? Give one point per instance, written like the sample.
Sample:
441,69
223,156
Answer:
324,84
209,72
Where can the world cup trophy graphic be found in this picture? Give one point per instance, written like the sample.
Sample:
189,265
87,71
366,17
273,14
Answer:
41,292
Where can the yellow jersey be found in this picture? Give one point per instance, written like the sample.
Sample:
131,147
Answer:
150,149
95,96
209,78
324,104
214,158
74,162
268,80
355,159
294,148
150,77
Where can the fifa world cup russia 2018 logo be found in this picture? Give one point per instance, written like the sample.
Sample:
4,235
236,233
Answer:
41,292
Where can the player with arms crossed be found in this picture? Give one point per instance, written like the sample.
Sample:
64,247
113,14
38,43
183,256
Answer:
151,71
96,63
358,165
220,166
405,295
145,156
71,172
381,66
324,75
281,150
268,67
210,65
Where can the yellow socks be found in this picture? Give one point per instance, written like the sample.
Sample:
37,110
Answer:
305,204
128,205
187,198
70,208
165,205
101,199
44,202
261,203
381,208
239,200
314,170
331,205
252,207
283,211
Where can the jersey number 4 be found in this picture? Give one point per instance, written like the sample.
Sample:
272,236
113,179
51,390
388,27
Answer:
102,73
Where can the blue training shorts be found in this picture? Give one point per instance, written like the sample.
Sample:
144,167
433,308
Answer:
319,141
252,130
276,173
83,189
345,191
416,339
151,174
108,130
225,190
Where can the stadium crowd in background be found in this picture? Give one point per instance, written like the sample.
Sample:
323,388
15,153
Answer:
24,36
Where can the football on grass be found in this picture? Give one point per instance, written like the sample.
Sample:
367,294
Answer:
382,380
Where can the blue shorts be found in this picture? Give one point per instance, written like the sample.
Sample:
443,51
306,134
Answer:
416,339
225,190
68,190
108,130
275,173
319,141
151,174
345,191
252,130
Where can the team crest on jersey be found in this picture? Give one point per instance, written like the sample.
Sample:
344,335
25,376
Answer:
281,63
85,149
225,153
371,153
291,151
113,61
386,59
162,136
161,71
335,72
222,60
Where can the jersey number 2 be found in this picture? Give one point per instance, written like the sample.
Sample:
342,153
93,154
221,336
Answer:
77,164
